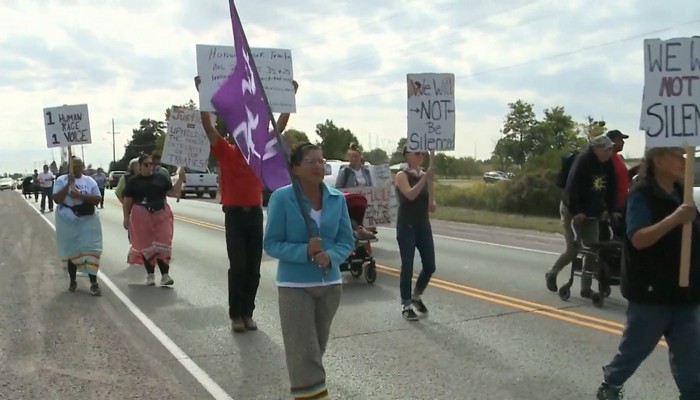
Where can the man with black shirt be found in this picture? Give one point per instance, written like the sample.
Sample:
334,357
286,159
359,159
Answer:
589,196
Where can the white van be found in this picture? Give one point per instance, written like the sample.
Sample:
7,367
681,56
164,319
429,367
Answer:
332,170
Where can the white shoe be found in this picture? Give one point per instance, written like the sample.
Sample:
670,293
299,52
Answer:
166,280
151,279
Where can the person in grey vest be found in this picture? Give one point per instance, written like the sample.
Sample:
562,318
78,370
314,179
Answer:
355,174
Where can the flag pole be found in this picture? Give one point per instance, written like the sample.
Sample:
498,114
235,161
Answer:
295,183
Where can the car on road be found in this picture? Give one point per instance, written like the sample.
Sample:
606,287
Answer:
200,183
497,176
113,178
7,184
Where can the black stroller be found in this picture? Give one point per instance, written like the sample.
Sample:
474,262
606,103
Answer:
360,260
607,256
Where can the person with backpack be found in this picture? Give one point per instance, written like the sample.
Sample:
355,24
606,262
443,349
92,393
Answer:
589,195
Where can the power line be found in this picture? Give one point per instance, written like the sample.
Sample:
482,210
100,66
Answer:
540,59
349,64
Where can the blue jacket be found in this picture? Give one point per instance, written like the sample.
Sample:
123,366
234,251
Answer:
286,238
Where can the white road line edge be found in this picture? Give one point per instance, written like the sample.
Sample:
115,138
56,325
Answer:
503,246
195,370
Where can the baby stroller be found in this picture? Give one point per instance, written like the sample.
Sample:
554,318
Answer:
360,260
607,256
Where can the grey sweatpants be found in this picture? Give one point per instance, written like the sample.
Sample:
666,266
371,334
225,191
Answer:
588,232
306,315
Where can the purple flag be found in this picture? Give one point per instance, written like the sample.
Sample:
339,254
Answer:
242,103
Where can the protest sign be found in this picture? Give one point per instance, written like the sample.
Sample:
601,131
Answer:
431,112
67,125
216,63
382,206
671,101
186,143
671,112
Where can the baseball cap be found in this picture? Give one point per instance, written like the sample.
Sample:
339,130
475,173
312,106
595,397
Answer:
614,134
602,141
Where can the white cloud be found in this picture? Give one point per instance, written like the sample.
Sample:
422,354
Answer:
130,62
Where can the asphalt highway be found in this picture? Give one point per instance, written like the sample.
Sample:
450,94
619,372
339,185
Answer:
493,331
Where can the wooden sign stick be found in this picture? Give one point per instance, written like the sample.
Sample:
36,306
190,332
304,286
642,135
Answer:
70,161
431,183
684,278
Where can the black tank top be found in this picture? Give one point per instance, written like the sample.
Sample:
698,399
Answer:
416,210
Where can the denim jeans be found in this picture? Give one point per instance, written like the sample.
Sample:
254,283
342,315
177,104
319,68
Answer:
645,326
411,237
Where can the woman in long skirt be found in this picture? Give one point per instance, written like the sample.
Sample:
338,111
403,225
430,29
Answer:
78,228
149,220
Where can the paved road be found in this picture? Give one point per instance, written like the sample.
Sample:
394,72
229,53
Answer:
494,332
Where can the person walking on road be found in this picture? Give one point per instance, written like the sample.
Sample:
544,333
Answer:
149,220
36,186
413,231
308,272
46,180
131,172
590,195
78,227
101,180
241,199
657,305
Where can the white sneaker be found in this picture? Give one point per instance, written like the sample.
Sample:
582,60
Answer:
150,279
166,280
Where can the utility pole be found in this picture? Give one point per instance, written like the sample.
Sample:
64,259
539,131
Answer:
114,145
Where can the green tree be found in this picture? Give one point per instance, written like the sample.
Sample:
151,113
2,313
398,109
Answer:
143,141
517,128
397,155
293,136
591,127
335,141
376,157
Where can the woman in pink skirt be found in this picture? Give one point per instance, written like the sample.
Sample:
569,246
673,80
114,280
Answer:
149,220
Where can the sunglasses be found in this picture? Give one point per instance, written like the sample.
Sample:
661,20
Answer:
317,161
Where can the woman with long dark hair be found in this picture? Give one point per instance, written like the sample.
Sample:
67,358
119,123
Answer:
149,220
308,272
413,231
657,305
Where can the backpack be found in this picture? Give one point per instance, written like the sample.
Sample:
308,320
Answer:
567,161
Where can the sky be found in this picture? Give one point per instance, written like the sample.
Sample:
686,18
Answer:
131,59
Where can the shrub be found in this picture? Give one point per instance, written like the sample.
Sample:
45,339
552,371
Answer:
533,193
480,196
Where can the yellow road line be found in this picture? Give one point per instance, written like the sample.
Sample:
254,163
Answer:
571,317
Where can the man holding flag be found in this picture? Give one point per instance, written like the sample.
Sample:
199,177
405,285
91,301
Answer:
241,199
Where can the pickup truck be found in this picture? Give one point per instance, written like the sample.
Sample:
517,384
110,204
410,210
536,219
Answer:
200,183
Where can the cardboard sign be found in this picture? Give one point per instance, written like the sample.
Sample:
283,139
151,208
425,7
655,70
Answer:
186,142
67,126
216,63
382,206
431,112
671,101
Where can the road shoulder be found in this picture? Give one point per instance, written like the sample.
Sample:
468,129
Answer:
57,344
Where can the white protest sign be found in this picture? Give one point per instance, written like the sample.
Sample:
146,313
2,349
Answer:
431,112
382,206
186,142
671,101
216,63
67,126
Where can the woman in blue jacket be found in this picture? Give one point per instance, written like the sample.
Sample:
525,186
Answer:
308,273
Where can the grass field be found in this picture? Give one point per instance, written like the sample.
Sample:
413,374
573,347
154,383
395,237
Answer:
490,218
